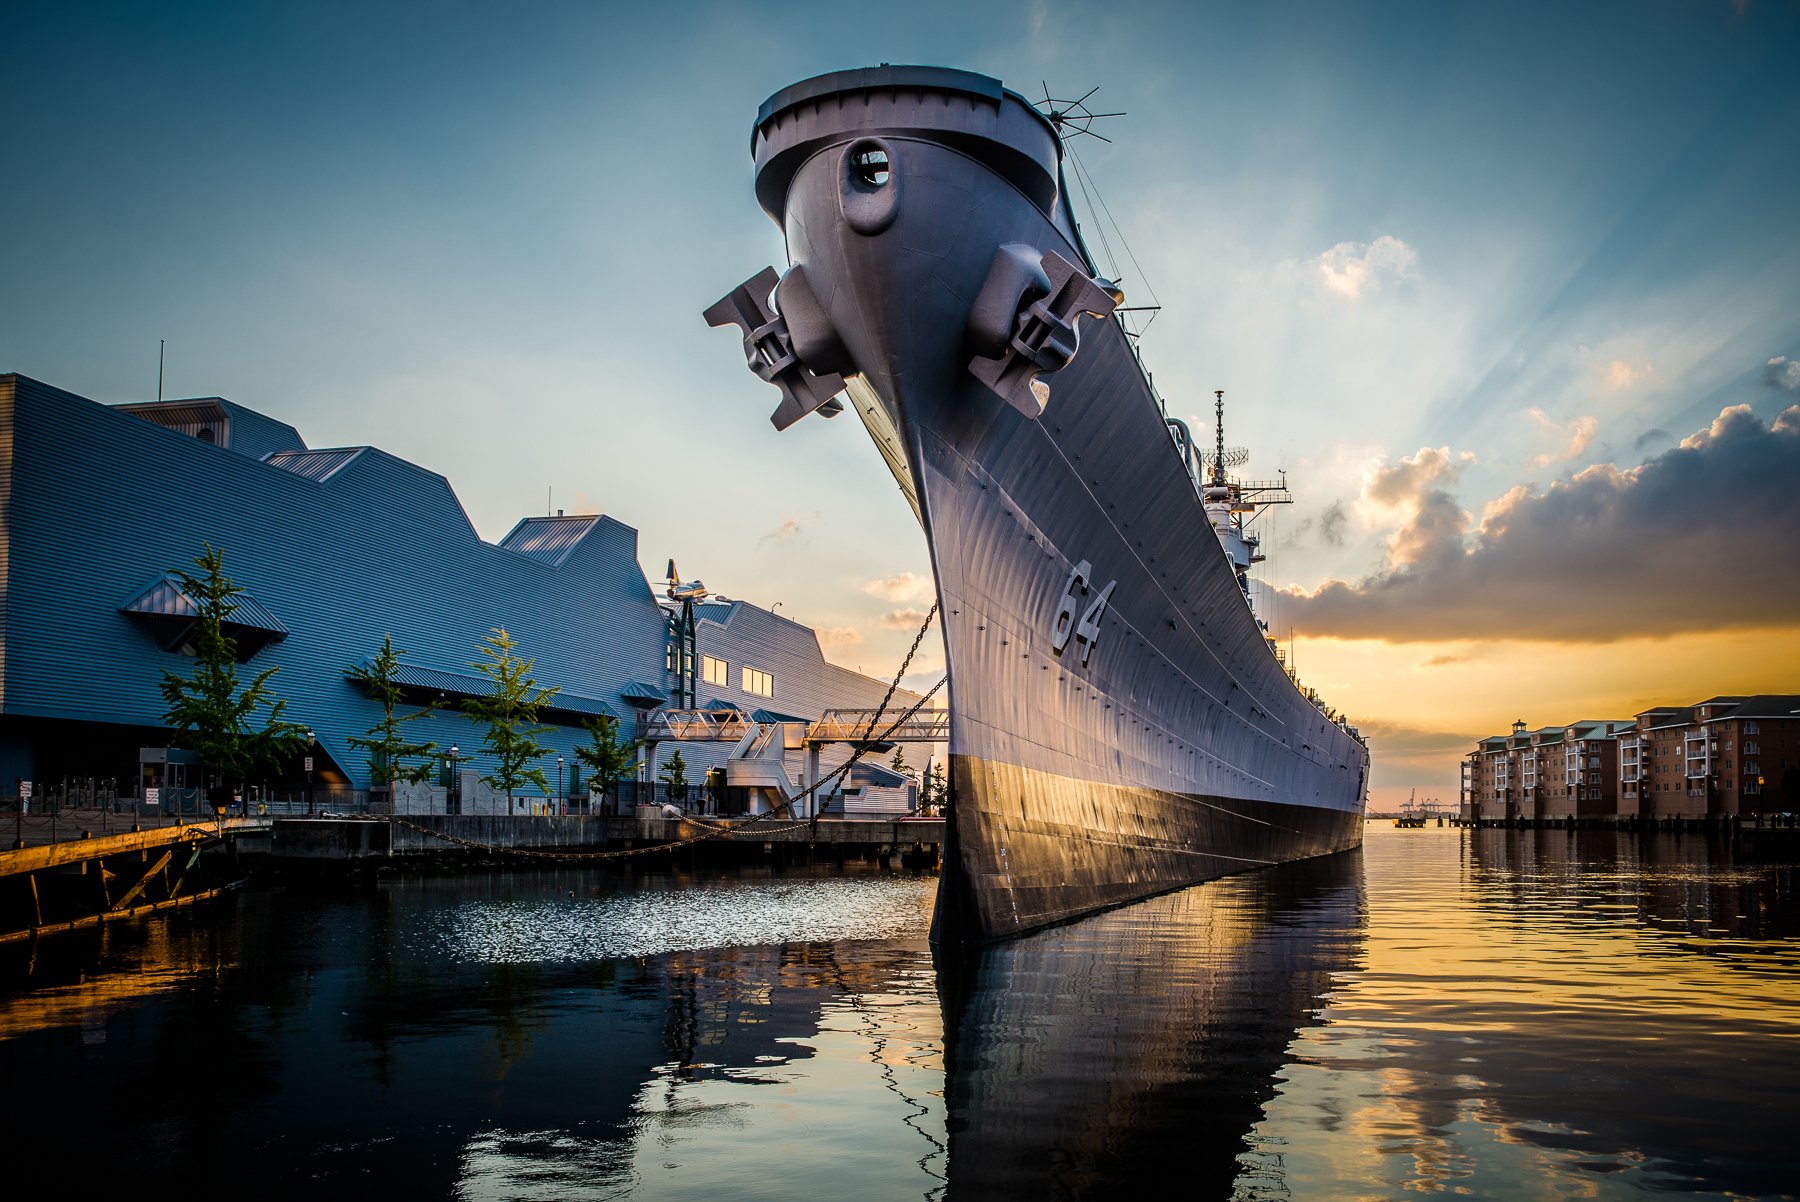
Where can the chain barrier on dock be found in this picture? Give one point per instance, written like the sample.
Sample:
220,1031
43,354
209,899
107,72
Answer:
749,828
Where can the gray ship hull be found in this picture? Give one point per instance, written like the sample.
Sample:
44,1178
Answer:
1154,740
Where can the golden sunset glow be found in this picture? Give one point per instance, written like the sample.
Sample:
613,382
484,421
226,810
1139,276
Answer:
1423,705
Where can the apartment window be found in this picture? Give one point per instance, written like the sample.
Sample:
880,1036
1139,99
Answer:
759,682
716,671
1751,728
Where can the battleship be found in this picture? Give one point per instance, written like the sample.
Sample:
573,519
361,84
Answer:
1121,723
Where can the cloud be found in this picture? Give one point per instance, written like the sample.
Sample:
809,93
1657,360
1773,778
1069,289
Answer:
903,619
1444,661
1576,436
1350,269
1651,437
1414,494
787,532
1703,537
1783,373
1621,375
1400,738
904,587
1332,523
838,638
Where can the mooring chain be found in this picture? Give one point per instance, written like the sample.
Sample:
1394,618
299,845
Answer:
710,831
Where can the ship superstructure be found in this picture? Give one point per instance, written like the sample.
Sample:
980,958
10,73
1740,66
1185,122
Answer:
1119,722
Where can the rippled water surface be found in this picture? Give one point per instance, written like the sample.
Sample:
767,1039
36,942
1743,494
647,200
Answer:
1493,1015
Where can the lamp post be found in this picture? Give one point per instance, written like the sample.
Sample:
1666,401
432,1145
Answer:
309,771
450,789
559,788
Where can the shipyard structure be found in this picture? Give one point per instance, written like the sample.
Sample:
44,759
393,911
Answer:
336,549
1722,758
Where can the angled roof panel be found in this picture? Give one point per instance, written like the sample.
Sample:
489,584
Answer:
318,465
469,684
171,614
639,693
549,540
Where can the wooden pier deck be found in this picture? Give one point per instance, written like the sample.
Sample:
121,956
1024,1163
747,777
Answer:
86,881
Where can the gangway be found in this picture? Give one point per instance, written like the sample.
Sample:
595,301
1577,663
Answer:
758,759
856,726
701,725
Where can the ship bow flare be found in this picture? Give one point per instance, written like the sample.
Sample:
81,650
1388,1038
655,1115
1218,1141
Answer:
1118,723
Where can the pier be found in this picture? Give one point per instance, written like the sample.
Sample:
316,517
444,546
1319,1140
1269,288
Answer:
418,839
90,880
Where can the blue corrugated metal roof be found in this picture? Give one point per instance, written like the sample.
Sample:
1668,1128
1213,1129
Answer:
549,540
639,693
775,716
318,465
471,684
876,774
172,613
164,599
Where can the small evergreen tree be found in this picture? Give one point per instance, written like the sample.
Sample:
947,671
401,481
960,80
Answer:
608,759
386,743
209,707
510,714
902,767
674,775
935,790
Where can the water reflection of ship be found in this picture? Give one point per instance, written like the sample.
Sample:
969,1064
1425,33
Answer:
1139,1046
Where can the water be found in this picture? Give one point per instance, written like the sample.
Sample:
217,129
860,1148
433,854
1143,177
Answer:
1494,1015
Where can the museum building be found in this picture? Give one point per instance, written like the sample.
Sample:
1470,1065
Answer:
334,550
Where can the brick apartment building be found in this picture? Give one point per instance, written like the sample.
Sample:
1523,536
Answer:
1727,756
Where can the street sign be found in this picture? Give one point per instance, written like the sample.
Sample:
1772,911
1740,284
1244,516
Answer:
24,790
309,763
152,795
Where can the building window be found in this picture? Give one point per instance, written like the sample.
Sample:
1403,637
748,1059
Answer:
759,682
1751,728
716,671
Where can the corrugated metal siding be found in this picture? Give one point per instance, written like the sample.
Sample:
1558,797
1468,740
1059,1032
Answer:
319,465
81,542
259,435
548,540
184,417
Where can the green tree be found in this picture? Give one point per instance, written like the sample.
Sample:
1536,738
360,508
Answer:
608,759
386,743
934,790
510,714
902,767
209,707
674,774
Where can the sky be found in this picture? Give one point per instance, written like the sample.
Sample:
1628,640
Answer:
1510,292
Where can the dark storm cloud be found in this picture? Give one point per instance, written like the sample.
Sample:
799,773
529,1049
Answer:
1704,536
1398,741
1782,373
1653,437
1332,523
